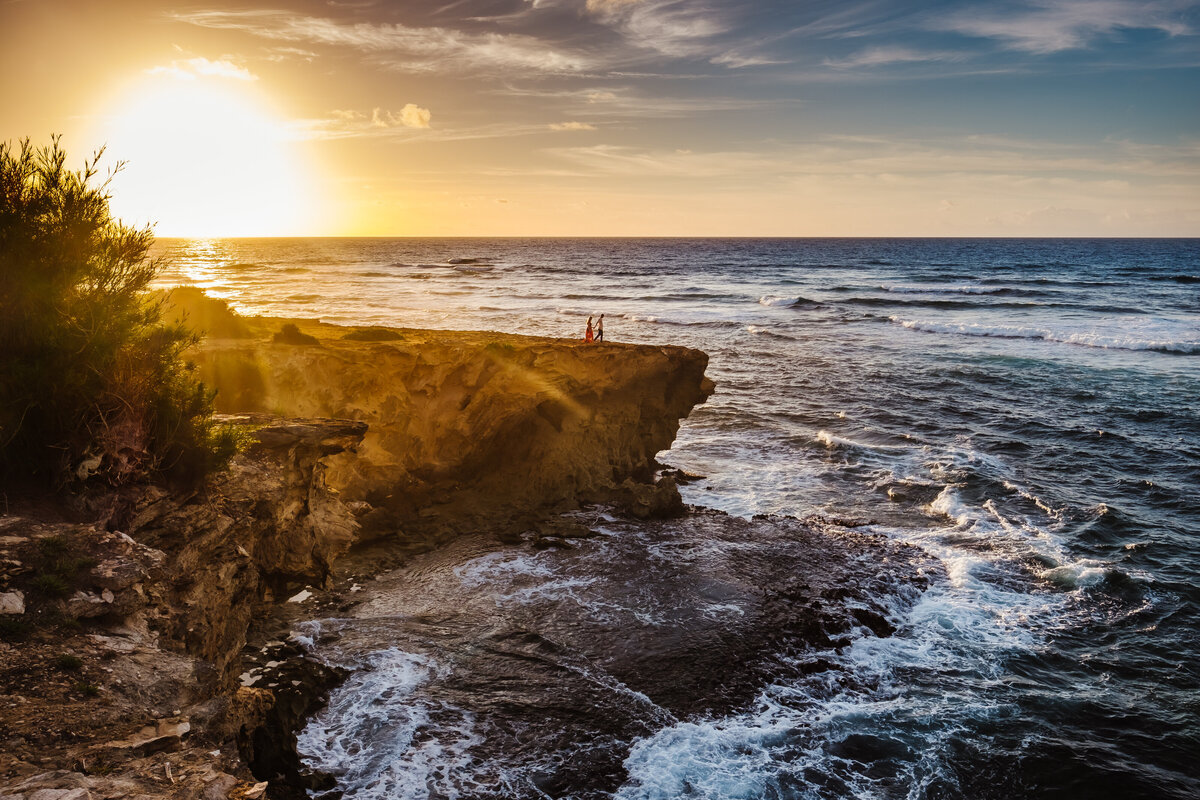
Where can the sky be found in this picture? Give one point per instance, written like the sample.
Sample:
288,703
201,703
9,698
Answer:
621,117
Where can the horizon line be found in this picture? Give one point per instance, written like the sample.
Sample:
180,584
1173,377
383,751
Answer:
677,236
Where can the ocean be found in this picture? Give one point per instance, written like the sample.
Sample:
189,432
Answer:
1026,412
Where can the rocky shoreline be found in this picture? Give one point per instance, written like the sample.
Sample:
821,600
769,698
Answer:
126,616
150,650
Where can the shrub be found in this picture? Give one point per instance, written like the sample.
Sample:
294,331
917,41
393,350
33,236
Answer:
93,383
290,334
212,316
13,629
52,584
67,662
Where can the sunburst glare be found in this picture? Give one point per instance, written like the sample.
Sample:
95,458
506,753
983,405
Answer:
208,159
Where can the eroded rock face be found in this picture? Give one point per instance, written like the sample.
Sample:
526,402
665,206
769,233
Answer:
134,693
268,522
469,427
465,429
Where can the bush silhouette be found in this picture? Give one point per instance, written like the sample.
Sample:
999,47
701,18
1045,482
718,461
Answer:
290,334
93,383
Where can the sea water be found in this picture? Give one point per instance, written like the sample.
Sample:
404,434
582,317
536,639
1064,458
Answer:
1025,411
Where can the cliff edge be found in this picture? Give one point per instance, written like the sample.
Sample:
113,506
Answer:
467,428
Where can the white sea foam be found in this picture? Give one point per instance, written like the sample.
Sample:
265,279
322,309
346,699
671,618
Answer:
899,289
968,626
1180,338
722,760
1056,513
773,300
1079,574
380,739
831,441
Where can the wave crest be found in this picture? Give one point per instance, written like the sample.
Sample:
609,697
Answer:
1083,338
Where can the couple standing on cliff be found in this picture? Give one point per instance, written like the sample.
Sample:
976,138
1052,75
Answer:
595,334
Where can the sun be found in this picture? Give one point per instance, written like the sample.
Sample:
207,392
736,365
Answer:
206,158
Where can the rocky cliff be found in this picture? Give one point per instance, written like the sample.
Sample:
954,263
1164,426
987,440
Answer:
121,646
122,638
467,427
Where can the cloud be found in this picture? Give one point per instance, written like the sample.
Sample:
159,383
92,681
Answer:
399,46
890,54
608,5
572,126
411,116
192,68
673,28
290,53
624,103
343,123
1029,166
1050,26
735,60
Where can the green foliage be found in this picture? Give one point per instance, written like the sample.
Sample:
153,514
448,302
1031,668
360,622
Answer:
500,348
212,316
13,628
52,584
87,689
65,622
55,546
290,334
93,383
67,662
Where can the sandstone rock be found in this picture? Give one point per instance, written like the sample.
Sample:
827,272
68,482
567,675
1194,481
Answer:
268,522
162,735
220,787
476,428
465,429
59,794
85,605
12,602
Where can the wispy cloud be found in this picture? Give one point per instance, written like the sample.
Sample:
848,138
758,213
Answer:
735,59
192,68
1049,26
628,103
1110,165
891,54
345,123
290,54
572,126
399,46
675,28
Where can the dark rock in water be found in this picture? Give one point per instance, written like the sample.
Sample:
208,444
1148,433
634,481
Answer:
866,749
267,741
877,623
680,477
